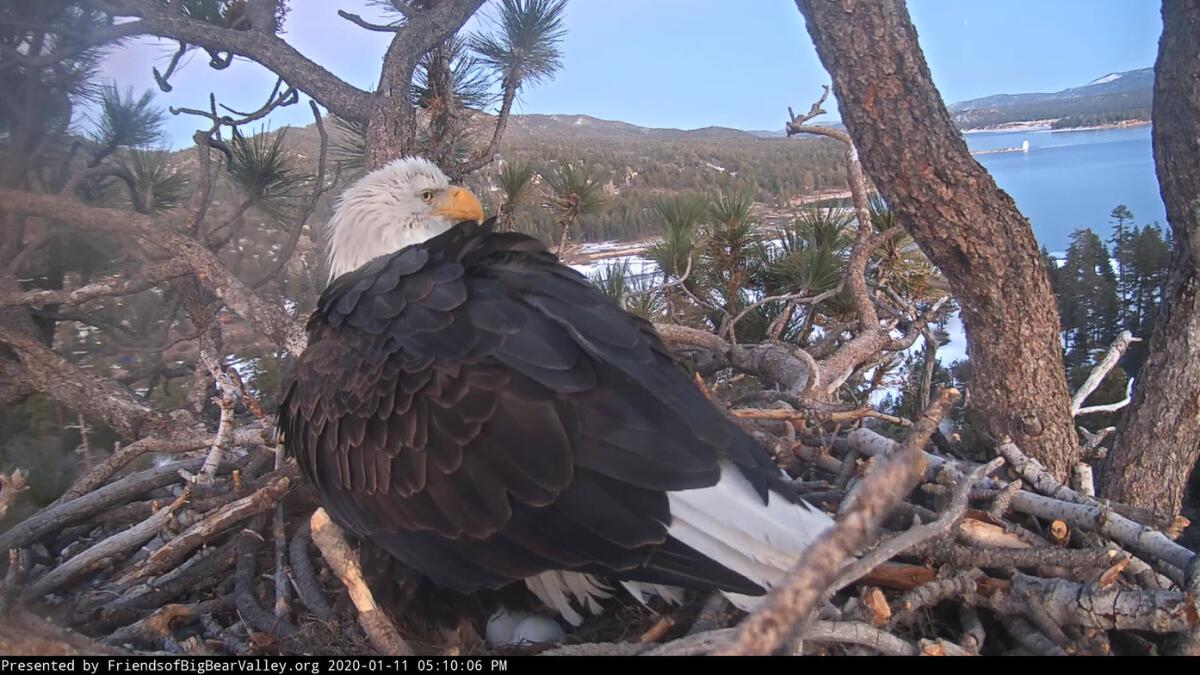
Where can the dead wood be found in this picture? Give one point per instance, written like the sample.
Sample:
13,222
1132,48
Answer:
55,517
793,600
208,527
379,629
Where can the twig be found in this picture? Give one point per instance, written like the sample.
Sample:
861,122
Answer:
175,551
247,604
279,534
792,601
304,577
106,550
379,629
1106,364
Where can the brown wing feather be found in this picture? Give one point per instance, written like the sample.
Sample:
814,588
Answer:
484,414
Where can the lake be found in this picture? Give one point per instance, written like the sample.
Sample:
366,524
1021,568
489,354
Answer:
1073,179
1067,180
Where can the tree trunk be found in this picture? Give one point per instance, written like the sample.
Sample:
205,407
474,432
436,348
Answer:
1158,440
967,226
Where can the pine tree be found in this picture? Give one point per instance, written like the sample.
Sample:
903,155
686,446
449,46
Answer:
1089,306
1121,240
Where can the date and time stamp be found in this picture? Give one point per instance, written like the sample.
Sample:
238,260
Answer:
307,665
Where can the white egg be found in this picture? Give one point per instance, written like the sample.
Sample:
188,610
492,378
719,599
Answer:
537,629
502,625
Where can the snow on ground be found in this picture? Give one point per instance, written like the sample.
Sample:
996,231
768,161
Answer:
643,268
639,267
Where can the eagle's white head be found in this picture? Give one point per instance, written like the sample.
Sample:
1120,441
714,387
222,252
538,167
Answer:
406,202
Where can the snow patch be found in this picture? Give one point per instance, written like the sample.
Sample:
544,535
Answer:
1111,77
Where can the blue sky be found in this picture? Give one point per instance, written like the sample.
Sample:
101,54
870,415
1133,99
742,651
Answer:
694,63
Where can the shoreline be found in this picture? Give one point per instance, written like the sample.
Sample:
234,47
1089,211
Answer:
1044,125
1128,124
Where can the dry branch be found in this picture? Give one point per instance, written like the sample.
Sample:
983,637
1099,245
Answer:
790,604
67,513
177,550
104,552
379,629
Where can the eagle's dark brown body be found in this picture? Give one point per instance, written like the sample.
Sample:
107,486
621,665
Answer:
481,412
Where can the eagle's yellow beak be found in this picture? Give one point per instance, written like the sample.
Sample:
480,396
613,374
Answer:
458,205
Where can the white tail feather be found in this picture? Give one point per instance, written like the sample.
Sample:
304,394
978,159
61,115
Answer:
729,523
557,588
642,592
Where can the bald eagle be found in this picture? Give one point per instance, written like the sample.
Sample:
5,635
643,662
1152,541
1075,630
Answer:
478,410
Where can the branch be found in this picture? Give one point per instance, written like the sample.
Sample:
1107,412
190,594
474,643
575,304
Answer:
83,391
790,604
177,550
105,551
919,534
272,52
60,515
328,537
363,23
246,435
774,362
268,319
148,278
1106,364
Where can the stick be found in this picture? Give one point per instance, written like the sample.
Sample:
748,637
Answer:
915,536
56,517
1106,364
791,603
247,604
1108,523
379,629
303,576
106,550
177,550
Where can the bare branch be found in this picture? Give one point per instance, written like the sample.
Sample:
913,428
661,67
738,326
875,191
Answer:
269,319
1106,364
328,537
272,52
790,604
149,277
363,23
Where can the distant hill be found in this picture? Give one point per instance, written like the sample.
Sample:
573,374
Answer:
1113,97
595,129
639,165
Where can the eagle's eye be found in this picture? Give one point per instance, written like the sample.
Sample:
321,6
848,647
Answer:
427,195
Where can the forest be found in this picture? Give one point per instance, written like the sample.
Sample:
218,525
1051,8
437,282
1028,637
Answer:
1034,498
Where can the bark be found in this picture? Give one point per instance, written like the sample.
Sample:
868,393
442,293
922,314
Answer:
93,396
968,227
270,320
391,123
1158,441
